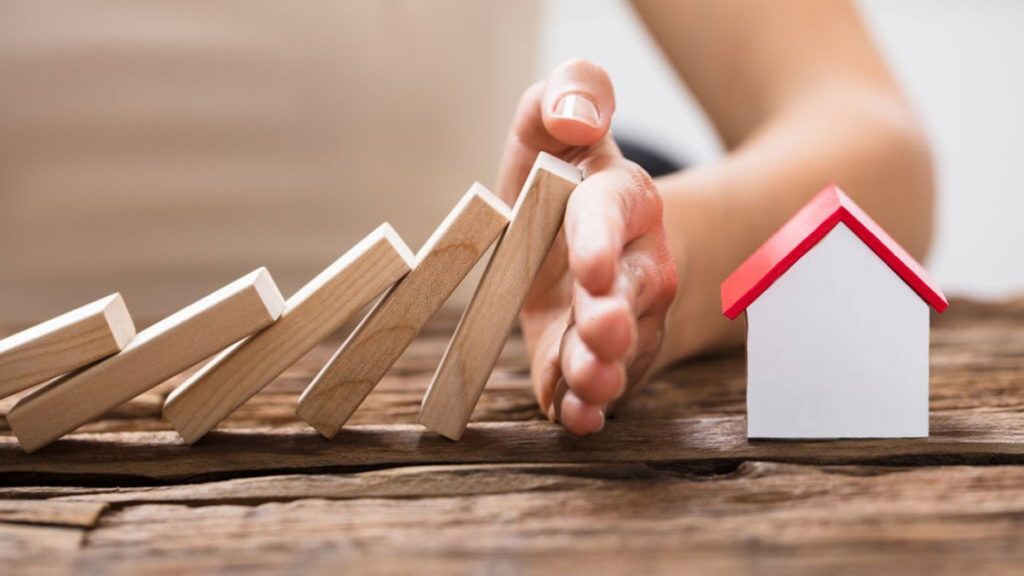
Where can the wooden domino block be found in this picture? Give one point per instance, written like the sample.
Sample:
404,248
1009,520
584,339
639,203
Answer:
170,346
64,343
312,314
486,323
378,341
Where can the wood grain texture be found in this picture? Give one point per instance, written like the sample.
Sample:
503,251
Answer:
310,315
757,518
491,314
31,549
378,341
154,355
976,437
83,514
65,343
270,496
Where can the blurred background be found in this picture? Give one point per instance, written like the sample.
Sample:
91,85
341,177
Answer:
165,148
959,62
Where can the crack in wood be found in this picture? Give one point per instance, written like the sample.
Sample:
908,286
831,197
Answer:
671,483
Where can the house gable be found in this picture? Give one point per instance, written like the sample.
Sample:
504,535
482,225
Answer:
802,232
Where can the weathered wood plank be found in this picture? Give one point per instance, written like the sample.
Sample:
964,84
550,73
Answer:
777,515
671,486
402,482
771,481
782,515
35,545
80,514
333,558
957,437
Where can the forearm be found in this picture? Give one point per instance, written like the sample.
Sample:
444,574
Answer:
867,142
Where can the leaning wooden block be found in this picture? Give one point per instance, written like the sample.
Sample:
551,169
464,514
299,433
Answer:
64,343
168,347
491,314
312,314
378,341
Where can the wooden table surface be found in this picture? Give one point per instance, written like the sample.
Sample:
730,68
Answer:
671,483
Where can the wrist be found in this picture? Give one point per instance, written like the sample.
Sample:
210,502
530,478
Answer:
703,236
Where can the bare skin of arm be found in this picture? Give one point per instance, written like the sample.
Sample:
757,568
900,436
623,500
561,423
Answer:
800,98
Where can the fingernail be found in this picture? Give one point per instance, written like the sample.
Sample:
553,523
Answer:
579,108
601,426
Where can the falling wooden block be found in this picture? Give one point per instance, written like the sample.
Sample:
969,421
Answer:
378,341
476,345
164,349
312,314
64,343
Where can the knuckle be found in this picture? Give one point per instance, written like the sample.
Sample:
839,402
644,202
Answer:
529,98
531,94
653,278
527,117
643,193
662,279
640,278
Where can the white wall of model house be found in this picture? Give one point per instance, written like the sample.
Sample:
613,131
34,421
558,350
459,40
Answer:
837,347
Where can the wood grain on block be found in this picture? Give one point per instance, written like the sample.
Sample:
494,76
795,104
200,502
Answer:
168,347
65,343
536,220
378,341
310,315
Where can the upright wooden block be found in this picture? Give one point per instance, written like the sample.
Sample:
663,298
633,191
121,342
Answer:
491,314
168,347
65,343
312,314
378,341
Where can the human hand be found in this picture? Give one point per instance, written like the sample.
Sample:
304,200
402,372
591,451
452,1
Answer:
594,317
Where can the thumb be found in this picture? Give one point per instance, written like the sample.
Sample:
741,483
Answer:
571,109
578,103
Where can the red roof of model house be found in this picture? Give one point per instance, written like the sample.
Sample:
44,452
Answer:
796,237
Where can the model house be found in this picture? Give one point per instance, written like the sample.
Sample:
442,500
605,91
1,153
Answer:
837,328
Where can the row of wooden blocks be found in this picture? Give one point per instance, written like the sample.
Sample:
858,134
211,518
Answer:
91,360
